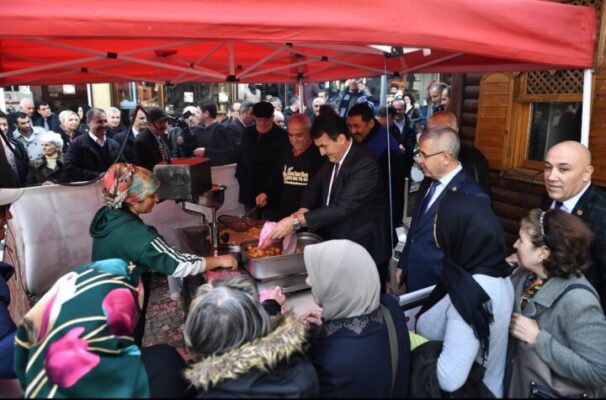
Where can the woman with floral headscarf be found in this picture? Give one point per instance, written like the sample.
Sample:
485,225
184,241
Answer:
118,232
77,341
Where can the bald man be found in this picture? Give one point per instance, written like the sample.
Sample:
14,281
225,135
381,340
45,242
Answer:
472,159
567,176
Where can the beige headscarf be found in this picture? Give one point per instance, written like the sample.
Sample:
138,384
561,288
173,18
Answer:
343,277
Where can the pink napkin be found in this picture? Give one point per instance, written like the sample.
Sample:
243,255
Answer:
289,242
265,235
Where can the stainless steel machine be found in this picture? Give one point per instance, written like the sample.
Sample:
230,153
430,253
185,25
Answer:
189,181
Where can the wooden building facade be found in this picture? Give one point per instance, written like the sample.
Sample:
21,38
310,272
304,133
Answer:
513,118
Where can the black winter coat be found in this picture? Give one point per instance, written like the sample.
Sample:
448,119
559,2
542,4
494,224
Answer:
86,160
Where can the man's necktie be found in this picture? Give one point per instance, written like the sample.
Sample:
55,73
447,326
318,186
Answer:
428,197
558,205
335,173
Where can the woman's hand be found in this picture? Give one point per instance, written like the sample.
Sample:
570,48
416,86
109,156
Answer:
225,261
312,318
524,328
273,294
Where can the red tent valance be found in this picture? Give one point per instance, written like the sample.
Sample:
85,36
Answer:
51,42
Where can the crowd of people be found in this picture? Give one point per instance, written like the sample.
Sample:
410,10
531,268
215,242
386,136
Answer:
494,325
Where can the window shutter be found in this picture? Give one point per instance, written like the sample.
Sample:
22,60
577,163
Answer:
494,118
597,131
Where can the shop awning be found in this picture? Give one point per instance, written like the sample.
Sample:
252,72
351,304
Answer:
75,41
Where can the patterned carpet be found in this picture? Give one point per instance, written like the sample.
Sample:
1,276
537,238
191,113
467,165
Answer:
165,317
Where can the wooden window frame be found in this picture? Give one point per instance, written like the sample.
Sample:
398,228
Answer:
518,166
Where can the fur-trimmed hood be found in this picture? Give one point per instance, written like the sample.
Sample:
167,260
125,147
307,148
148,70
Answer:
264,354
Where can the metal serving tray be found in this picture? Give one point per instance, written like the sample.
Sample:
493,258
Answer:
278,266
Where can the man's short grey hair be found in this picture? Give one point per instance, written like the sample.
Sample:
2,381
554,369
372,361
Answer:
25,101
246,106
53,138
112,110
302,119
439,86
446,138
223,318
65,115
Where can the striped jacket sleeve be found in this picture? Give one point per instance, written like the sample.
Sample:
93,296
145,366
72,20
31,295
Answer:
160,256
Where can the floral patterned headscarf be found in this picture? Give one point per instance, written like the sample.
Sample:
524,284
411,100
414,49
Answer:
127,182
77,341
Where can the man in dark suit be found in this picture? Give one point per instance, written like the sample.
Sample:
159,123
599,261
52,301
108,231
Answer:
14,161
345,199
241,120
139,123
567,175
262,144
90,155
472,159
367,131
421,259
213,140
151,147
46,118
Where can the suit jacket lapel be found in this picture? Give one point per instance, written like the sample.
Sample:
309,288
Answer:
431,211
338,181
581,207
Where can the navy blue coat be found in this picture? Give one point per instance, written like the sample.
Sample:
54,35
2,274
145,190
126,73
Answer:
591,209
86,160
7,326
14,178
129,153
421,259
352,356
53,122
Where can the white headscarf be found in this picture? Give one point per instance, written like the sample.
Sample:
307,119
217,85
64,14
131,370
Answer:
343,277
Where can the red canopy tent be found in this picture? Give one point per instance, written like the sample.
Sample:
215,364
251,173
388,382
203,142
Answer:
75,41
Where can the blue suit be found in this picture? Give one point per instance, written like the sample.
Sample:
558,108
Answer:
421,259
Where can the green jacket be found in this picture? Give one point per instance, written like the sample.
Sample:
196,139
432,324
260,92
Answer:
121,234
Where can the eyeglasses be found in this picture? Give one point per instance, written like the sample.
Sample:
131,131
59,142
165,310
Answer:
419,154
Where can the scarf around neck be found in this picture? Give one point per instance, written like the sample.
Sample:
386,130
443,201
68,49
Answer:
473,242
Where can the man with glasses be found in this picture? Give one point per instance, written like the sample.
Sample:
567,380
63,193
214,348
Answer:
421,261
88,156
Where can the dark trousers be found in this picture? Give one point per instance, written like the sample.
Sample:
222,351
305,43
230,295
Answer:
140,328
383,269
164,367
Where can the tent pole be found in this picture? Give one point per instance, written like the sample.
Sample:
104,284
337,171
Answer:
586,117
89,94
383,90
301,94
